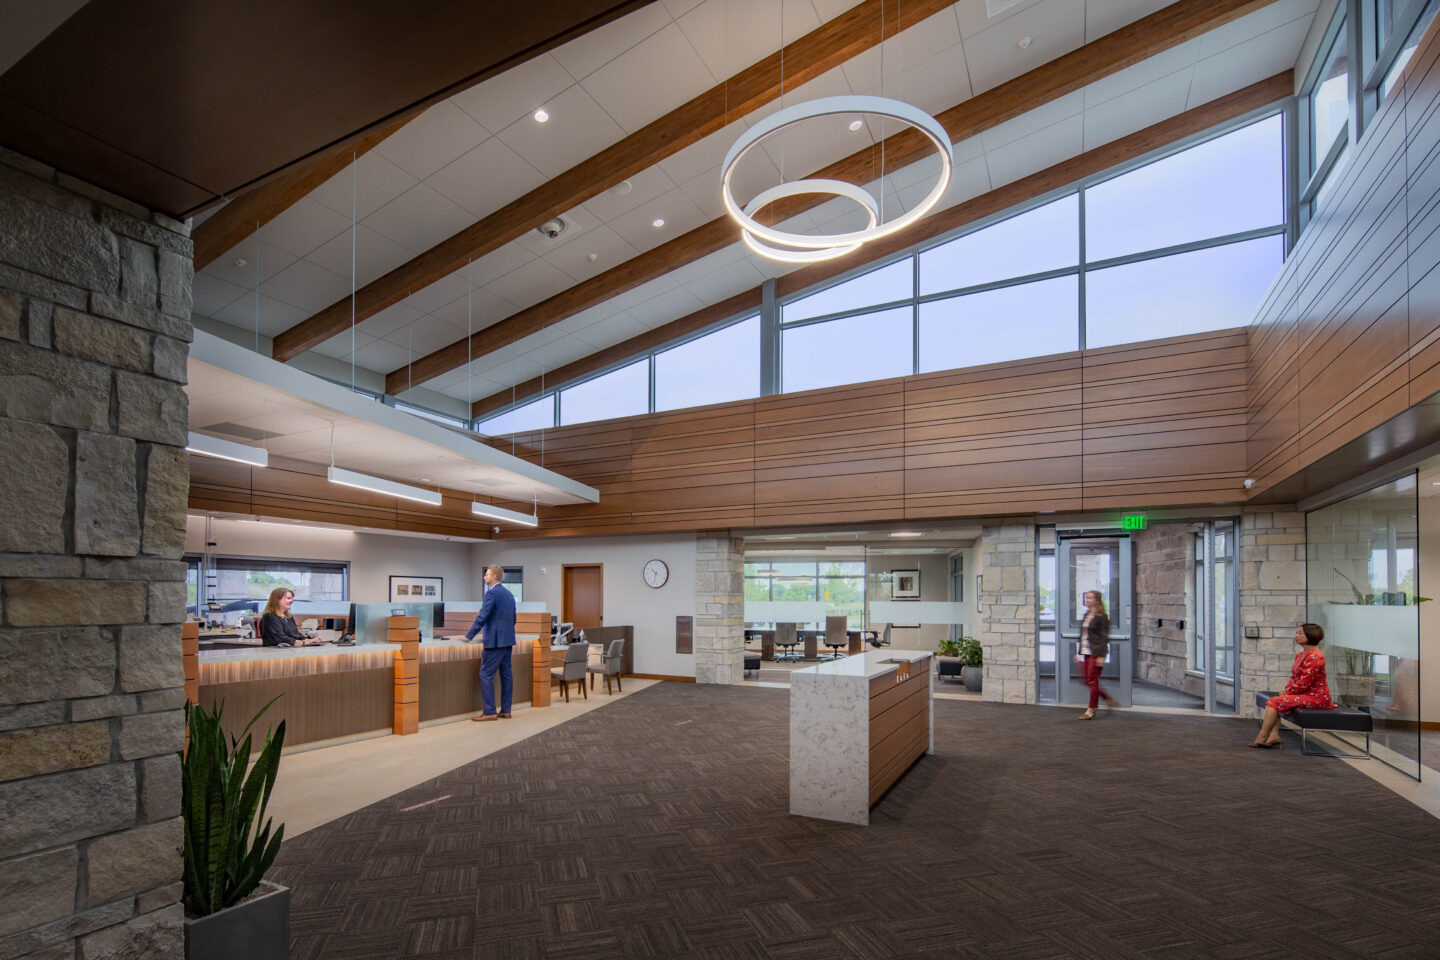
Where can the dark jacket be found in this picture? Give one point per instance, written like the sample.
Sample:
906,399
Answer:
496,618
276,630
1099,634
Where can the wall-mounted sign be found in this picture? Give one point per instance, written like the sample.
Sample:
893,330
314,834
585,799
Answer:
1133,521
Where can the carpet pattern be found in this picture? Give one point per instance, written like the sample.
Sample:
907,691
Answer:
658,827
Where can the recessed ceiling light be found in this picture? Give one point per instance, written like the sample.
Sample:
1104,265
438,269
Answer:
658,222
541,116
241,261
907,533
592,257
856,124
622,188
1024,43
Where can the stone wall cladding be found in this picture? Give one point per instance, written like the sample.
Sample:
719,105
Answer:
94,327
1272,598
1007,611
719,609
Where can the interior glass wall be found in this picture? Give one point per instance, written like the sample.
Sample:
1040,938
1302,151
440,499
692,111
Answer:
1361,574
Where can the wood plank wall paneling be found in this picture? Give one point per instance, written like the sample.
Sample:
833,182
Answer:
1347,339
1146,424
314,707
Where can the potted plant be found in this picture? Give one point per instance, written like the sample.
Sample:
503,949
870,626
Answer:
972,661
230,915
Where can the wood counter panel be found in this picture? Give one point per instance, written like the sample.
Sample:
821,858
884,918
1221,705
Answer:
315,707
885,692
451,688
886,723
887,765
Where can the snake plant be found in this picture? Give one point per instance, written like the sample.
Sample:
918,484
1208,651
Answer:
226,851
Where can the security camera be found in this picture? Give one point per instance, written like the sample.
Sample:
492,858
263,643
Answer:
551,228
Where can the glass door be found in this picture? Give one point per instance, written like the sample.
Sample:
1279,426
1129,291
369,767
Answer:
1217,613
1087,562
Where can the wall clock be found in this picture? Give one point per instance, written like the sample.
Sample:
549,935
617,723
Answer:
656,573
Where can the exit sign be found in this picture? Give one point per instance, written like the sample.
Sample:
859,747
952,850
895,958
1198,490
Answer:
1133,521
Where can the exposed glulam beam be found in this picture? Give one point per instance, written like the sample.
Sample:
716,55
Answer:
1160,31
820,50
1198,120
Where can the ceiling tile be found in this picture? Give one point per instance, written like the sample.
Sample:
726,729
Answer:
683,275
497,263
472,390
381,356
338,347
1138,109
486,178
678,211
475,311
969,179
612,330
419,219
305,285
1028,155
928,38
753,174
431,140
438,294
578,224
261,263
670,305
516,93
304,226
1055,27
529,284
679,7
1250,26
374,255
387,321
705,155
1249,62
638,295
1046,115
1146,71
587,53
212,294
577,130
560,352
1107,16
364,187
574,258
645,185
275,317
974,18
628,88
425,335
730,35
934,85
725,282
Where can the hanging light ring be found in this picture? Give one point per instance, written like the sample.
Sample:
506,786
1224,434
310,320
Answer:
800,188
897,110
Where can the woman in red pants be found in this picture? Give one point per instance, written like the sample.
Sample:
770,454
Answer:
1094,645
1307,687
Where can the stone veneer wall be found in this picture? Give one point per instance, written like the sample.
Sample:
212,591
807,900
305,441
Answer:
95,297
1272,598
1164,571
719,609
1007,610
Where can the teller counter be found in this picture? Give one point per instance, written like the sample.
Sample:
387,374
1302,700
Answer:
328,692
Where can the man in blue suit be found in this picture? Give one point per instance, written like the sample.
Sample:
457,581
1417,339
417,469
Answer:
496,620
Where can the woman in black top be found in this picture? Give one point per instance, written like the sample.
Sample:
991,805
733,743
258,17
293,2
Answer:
277,627
1094,646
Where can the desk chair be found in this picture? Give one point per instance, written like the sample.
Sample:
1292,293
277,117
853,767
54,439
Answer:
883,640
573,668
786,639
767,644
836,636
609,665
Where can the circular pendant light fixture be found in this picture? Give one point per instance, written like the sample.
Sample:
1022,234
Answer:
790,247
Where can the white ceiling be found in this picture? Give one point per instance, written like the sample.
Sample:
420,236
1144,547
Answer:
237,395
477,151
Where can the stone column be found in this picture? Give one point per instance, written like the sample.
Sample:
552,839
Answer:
94,323
1007,610
719,609
1272,599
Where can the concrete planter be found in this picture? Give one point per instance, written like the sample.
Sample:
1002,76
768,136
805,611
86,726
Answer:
972,677
257,929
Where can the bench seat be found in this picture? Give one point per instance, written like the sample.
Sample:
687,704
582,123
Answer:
1342,718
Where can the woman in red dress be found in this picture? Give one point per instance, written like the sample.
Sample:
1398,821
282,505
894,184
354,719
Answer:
1307,687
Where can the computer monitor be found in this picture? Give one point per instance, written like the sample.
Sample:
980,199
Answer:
349,632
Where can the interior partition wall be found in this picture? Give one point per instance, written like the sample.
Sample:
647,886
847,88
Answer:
1361,574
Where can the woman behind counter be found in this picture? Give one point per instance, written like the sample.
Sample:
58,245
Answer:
277,627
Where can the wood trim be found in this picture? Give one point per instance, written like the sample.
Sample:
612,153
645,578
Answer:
824,48
1138,144
257,206
1100,58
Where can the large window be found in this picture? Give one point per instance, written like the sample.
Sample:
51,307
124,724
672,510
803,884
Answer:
619,393
838,584
1036,241
885,285
720,366
872,346
1329,100
538,415
997,325
239,578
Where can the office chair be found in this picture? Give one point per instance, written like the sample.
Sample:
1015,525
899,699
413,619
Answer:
836,636
572,669
786,639
609,665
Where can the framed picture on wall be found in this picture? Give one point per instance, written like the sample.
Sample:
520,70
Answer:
417,589
905,584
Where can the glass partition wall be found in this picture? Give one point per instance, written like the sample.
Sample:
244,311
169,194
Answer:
1361,572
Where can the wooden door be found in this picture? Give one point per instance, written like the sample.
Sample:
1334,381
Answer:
584,603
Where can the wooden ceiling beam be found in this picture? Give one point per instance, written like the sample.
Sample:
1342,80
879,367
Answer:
257,206
822,49
1198,120
1160,31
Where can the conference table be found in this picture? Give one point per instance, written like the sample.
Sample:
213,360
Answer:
811,640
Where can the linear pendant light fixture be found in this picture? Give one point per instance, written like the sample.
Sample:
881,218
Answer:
364,481
500,513
227,450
